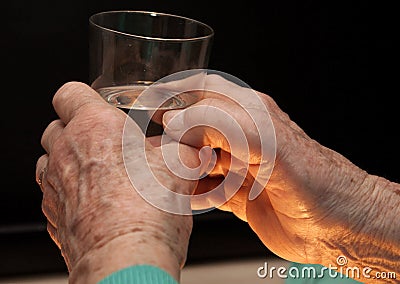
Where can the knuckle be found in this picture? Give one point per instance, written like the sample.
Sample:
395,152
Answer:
68,88
45,135
49,129
53,124
73,86
101,118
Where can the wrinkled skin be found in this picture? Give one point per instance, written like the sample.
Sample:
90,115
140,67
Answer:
316,201
88,198
316,206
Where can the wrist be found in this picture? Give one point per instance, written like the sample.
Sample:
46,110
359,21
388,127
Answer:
367,233
124,251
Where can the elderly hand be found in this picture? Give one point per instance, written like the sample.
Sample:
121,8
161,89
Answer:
95,215
316,206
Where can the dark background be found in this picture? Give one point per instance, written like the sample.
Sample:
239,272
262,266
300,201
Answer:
329,66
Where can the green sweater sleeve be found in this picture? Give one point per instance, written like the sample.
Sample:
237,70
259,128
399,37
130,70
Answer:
143,274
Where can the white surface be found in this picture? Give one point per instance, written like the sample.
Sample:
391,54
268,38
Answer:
237,272
232,272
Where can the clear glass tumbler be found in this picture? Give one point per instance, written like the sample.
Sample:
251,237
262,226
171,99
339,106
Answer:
130,50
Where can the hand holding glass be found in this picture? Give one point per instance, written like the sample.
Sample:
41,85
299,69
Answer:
130,50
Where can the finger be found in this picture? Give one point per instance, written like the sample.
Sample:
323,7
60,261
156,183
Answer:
182,160
201,86
237,204
49,203
206,193
208,183
51,134
237,195
167,87
41,166
170,92
50,196
220,88
53,234
74,96
217,123
221,199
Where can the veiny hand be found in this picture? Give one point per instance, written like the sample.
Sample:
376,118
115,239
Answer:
316,206
95,216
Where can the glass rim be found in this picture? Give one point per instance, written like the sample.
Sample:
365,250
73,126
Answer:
210,35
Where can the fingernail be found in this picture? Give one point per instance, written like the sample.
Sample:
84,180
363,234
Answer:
208,159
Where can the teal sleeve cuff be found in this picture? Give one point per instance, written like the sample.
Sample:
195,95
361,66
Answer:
143,274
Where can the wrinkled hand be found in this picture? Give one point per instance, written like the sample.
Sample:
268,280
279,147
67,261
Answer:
95,216
312,198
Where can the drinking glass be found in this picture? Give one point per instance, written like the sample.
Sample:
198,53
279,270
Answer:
131,50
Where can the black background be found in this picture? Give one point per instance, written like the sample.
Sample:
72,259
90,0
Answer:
330,66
